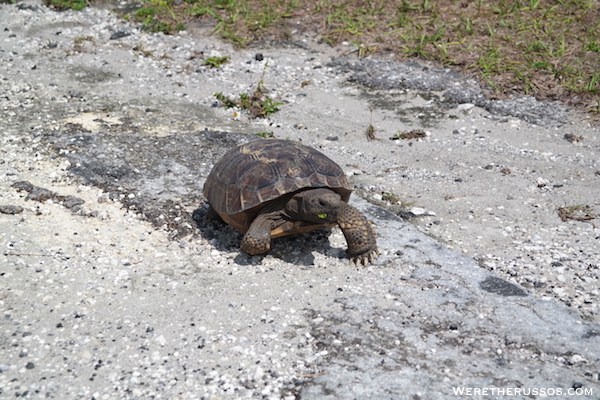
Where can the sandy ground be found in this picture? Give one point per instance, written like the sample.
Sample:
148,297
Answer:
118,292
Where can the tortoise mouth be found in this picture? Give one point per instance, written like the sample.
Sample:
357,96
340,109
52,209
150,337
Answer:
324,217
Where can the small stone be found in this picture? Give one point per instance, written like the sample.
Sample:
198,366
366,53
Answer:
418,211
541,182
354,171
571,138
576,358
466,106
161,340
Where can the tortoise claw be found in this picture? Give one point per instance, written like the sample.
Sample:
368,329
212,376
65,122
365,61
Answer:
365,258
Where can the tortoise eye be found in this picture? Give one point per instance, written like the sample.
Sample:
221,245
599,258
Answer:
321,203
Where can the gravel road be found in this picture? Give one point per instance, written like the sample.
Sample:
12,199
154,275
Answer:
113,287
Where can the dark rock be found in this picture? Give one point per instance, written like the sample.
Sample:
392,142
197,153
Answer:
71,202
499,286
119,35
31,7
10,209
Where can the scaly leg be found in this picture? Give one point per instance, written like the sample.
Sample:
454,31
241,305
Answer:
258,238
361,238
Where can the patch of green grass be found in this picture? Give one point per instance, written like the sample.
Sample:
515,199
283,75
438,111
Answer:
512,44
548,48
409,135
159,16
390,198
592,85
257,104
67,4
241,21
265,135
215,62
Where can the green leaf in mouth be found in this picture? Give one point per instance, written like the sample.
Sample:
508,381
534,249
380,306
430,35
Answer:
322,216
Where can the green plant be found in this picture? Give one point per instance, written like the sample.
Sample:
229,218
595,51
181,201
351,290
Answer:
227,102
139,50
580,212
215,62
390,197
594,84
467,25
67,4
409,135
258,104
265,134
593,44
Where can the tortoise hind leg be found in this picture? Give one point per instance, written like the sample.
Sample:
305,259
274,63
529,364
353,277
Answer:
362,245
257,239
211,215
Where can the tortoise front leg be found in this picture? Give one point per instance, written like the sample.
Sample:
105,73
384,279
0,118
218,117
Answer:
257,239
362,245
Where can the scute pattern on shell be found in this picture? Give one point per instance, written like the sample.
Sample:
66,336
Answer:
257,172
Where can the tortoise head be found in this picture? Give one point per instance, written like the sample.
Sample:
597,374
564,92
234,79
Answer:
319,206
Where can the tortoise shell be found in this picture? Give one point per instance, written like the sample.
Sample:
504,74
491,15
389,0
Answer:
252,175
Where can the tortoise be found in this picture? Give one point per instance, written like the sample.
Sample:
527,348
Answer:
270,188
